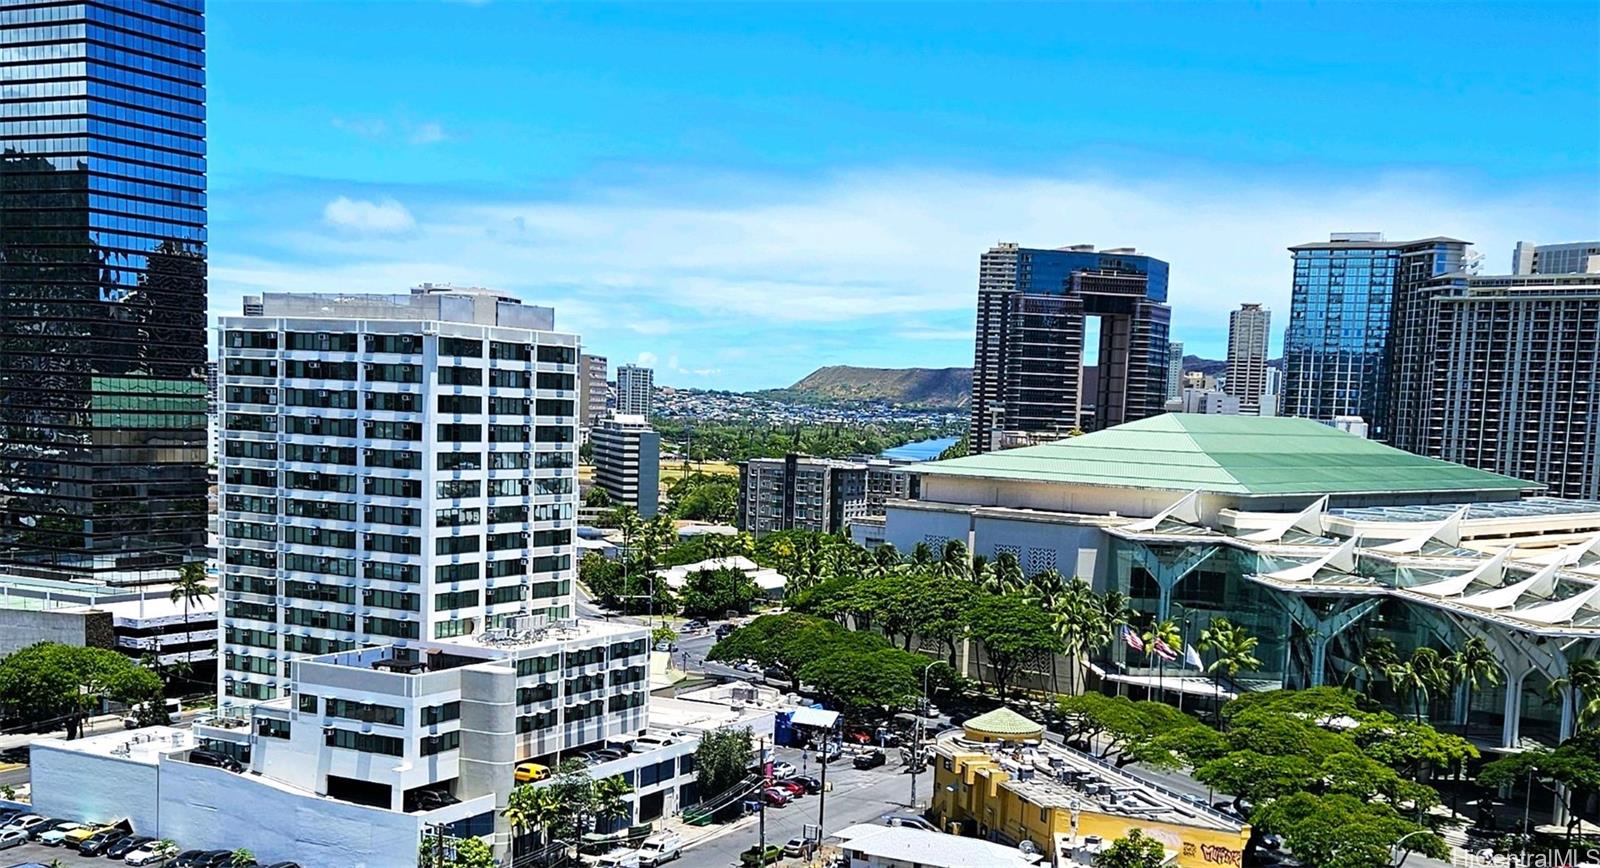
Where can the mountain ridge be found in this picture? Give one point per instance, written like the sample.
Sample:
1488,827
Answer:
924,387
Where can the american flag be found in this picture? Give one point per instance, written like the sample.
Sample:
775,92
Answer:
1163,650
1132,639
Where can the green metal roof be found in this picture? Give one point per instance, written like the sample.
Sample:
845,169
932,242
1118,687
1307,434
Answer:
1250,455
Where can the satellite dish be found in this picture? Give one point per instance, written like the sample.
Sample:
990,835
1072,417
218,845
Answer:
1027,848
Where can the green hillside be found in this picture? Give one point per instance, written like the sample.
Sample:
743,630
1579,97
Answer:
927,387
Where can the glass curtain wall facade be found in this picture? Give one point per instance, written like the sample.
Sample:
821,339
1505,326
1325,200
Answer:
102,287
1339,352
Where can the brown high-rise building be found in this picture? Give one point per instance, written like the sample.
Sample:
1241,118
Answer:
1247,356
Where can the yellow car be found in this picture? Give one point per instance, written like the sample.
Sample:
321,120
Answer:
76,837
529,772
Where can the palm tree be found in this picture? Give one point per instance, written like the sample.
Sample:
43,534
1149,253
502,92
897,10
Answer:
1234,649
1049,591
529,808
953,560
1081,626
1583,679
1473,665
883,561
1004,574
1375,661
1167,633
922,554
605,798
190,588
1424,672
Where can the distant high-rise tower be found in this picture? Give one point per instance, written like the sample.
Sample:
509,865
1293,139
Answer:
591,389
1174,369
636,390
1247,356
1578,257
1347,294
103,288
1028,358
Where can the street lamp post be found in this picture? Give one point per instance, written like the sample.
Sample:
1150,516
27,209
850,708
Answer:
916,735
1400,855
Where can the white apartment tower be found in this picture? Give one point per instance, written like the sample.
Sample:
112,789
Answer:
1247,356
636,390
1174,369
393,469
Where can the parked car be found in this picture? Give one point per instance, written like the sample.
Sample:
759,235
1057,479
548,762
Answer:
101,841
57,835
25,822
795,847
77,836
49,825
775,673
794,788
660,848
284,865
607,754
909,820
870,759
621,858
724,629
753,857
216,859
828,752
11,837
428,800
189,859
9,814
695,624
203,757
127,845
529,772
776,798
148,853
811,784
781,769
665,645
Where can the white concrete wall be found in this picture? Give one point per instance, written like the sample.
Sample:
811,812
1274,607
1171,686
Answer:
90,787
210,808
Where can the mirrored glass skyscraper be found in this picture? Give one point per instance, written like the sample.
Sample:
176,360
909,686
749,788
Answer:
1339,354
102,287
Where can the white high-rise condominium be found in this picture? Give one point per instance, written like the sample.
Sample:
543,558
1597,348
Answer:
1247,356
636,390
1174,369
393,468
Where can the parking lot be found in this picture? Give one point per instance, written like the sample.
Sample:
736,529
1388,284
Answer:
36,852
855,796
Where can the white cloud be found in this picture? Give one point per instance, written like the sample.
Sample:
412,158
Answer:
646,359
879,264
382,217
427,134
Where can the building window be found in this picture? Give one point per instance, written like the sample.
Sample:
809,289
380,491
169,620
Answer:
440,743
307,703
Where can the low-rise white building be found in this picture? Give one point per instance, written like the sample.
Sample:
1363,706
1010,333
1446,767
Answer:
369,747
868,845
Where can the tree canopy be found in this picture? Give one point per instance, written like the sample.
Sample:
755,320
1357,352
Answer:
722,760
1015,634
51,685
1137,850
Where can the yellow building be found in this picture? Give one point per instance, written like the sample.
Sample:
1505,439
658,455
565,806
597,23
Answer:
998,779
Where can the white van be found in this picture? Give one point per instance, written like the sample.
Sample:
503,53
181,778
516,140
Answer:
660,848
619,859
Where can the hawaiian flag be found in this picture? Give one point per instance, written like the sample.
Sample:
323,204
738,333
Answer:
1132,639
1163,650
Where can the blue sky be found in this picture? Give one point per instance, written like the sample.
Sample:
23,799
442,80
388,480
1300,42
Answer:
740,193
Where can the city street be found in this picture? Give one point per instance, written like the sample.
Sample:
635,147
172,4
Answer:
856,797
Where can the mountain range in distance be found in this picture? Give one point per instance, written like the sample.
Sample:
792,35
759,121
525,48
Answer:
916,387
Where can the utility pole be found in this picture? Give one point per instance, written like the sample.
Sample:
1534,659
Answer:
822,797
916,736
766,781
